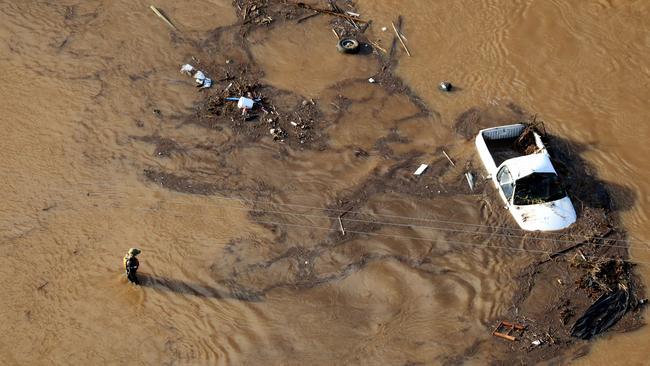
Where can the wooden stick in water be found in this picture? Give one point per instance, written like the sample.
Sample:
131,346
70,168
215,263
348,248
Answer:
399,37
448,158
161,16
378,47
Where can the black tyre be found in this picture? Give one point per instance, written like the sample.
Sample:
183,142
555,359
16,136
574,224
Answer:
348,45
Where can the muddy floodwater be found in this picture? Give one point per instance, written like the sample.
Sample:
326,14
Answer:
106,146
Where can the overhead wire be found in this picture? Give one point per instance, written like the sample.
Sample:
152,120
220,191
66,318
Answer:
243,200
443,241
246,200
495,228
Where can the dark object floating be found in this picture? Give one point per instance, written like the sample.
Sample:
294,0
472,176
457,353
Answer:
602,314
446,86
348,45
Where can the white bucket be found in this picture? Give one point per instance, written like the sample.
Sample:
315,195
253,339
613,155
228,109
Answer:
245,103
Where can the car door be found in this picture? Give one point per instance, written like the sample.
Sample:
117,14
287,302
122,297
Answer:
506,184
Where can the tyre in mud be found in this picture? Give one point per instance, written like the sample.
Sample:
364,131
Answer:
348,45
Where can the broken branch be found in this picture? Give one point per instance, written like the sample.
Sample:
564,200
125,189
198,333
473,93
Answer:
325,11
164,18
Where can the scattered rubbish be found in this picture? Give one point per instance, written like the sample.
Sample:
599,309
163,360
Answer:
537,342
325,11
266,20
643,301
602,314
560,282
421,169
470,180
445,86
341,226
43,285
202,81
278,133
448,158
383,29
399,37
521,169
228,61
509,328
372,81
164,18
348,45
356,15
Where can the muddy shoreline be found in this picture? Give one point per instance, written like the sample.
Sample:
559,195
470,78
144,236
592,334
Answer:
575,277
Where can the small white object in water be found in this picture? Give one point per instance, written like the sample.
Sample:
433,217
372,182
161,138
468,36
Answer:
245,103
187,69
421,169
199,76
470,180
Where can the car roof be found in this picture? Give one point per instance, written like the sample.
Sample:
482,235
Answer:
528,164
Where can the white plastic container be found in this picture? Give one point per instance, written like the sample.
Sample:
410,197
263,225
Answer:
245,103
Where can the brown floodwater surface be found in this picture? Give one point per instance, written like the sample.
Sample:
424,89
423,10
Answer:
86,86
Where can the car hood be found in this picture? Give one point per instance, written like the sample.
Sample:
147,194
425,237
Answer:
549,216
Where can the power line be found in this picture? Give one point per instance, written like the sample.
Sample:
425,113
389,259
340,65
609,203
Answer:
495,228
480,246
341,211
241,200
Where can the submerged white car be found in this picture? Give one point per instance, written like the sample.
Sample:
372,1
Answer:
527,182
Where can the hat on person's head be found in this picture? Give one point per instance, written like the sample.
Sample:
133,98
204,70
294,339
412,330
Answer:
134,251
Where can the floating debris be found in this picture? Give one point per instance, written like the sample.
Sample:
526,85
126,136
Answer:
509,328
470,180
445,86
202,81
163,17
421,170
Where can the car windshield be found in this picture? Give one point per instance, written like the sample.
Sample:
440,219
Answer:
538,188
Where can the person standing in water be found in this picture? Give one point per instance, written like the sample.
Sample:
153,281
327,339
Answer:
131,265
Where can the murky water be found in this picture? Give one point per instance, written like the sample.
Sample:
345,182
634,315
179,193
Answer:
80,80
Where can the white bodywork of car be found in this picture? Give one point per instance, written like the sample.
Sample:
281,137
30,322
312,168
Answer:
551,215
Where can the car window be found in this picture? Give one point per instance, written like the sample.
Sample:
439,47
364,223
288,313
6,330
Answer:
538,188
505,182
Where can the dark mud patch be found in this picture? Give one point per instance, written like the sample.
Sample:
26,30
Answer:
282,115
164,147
